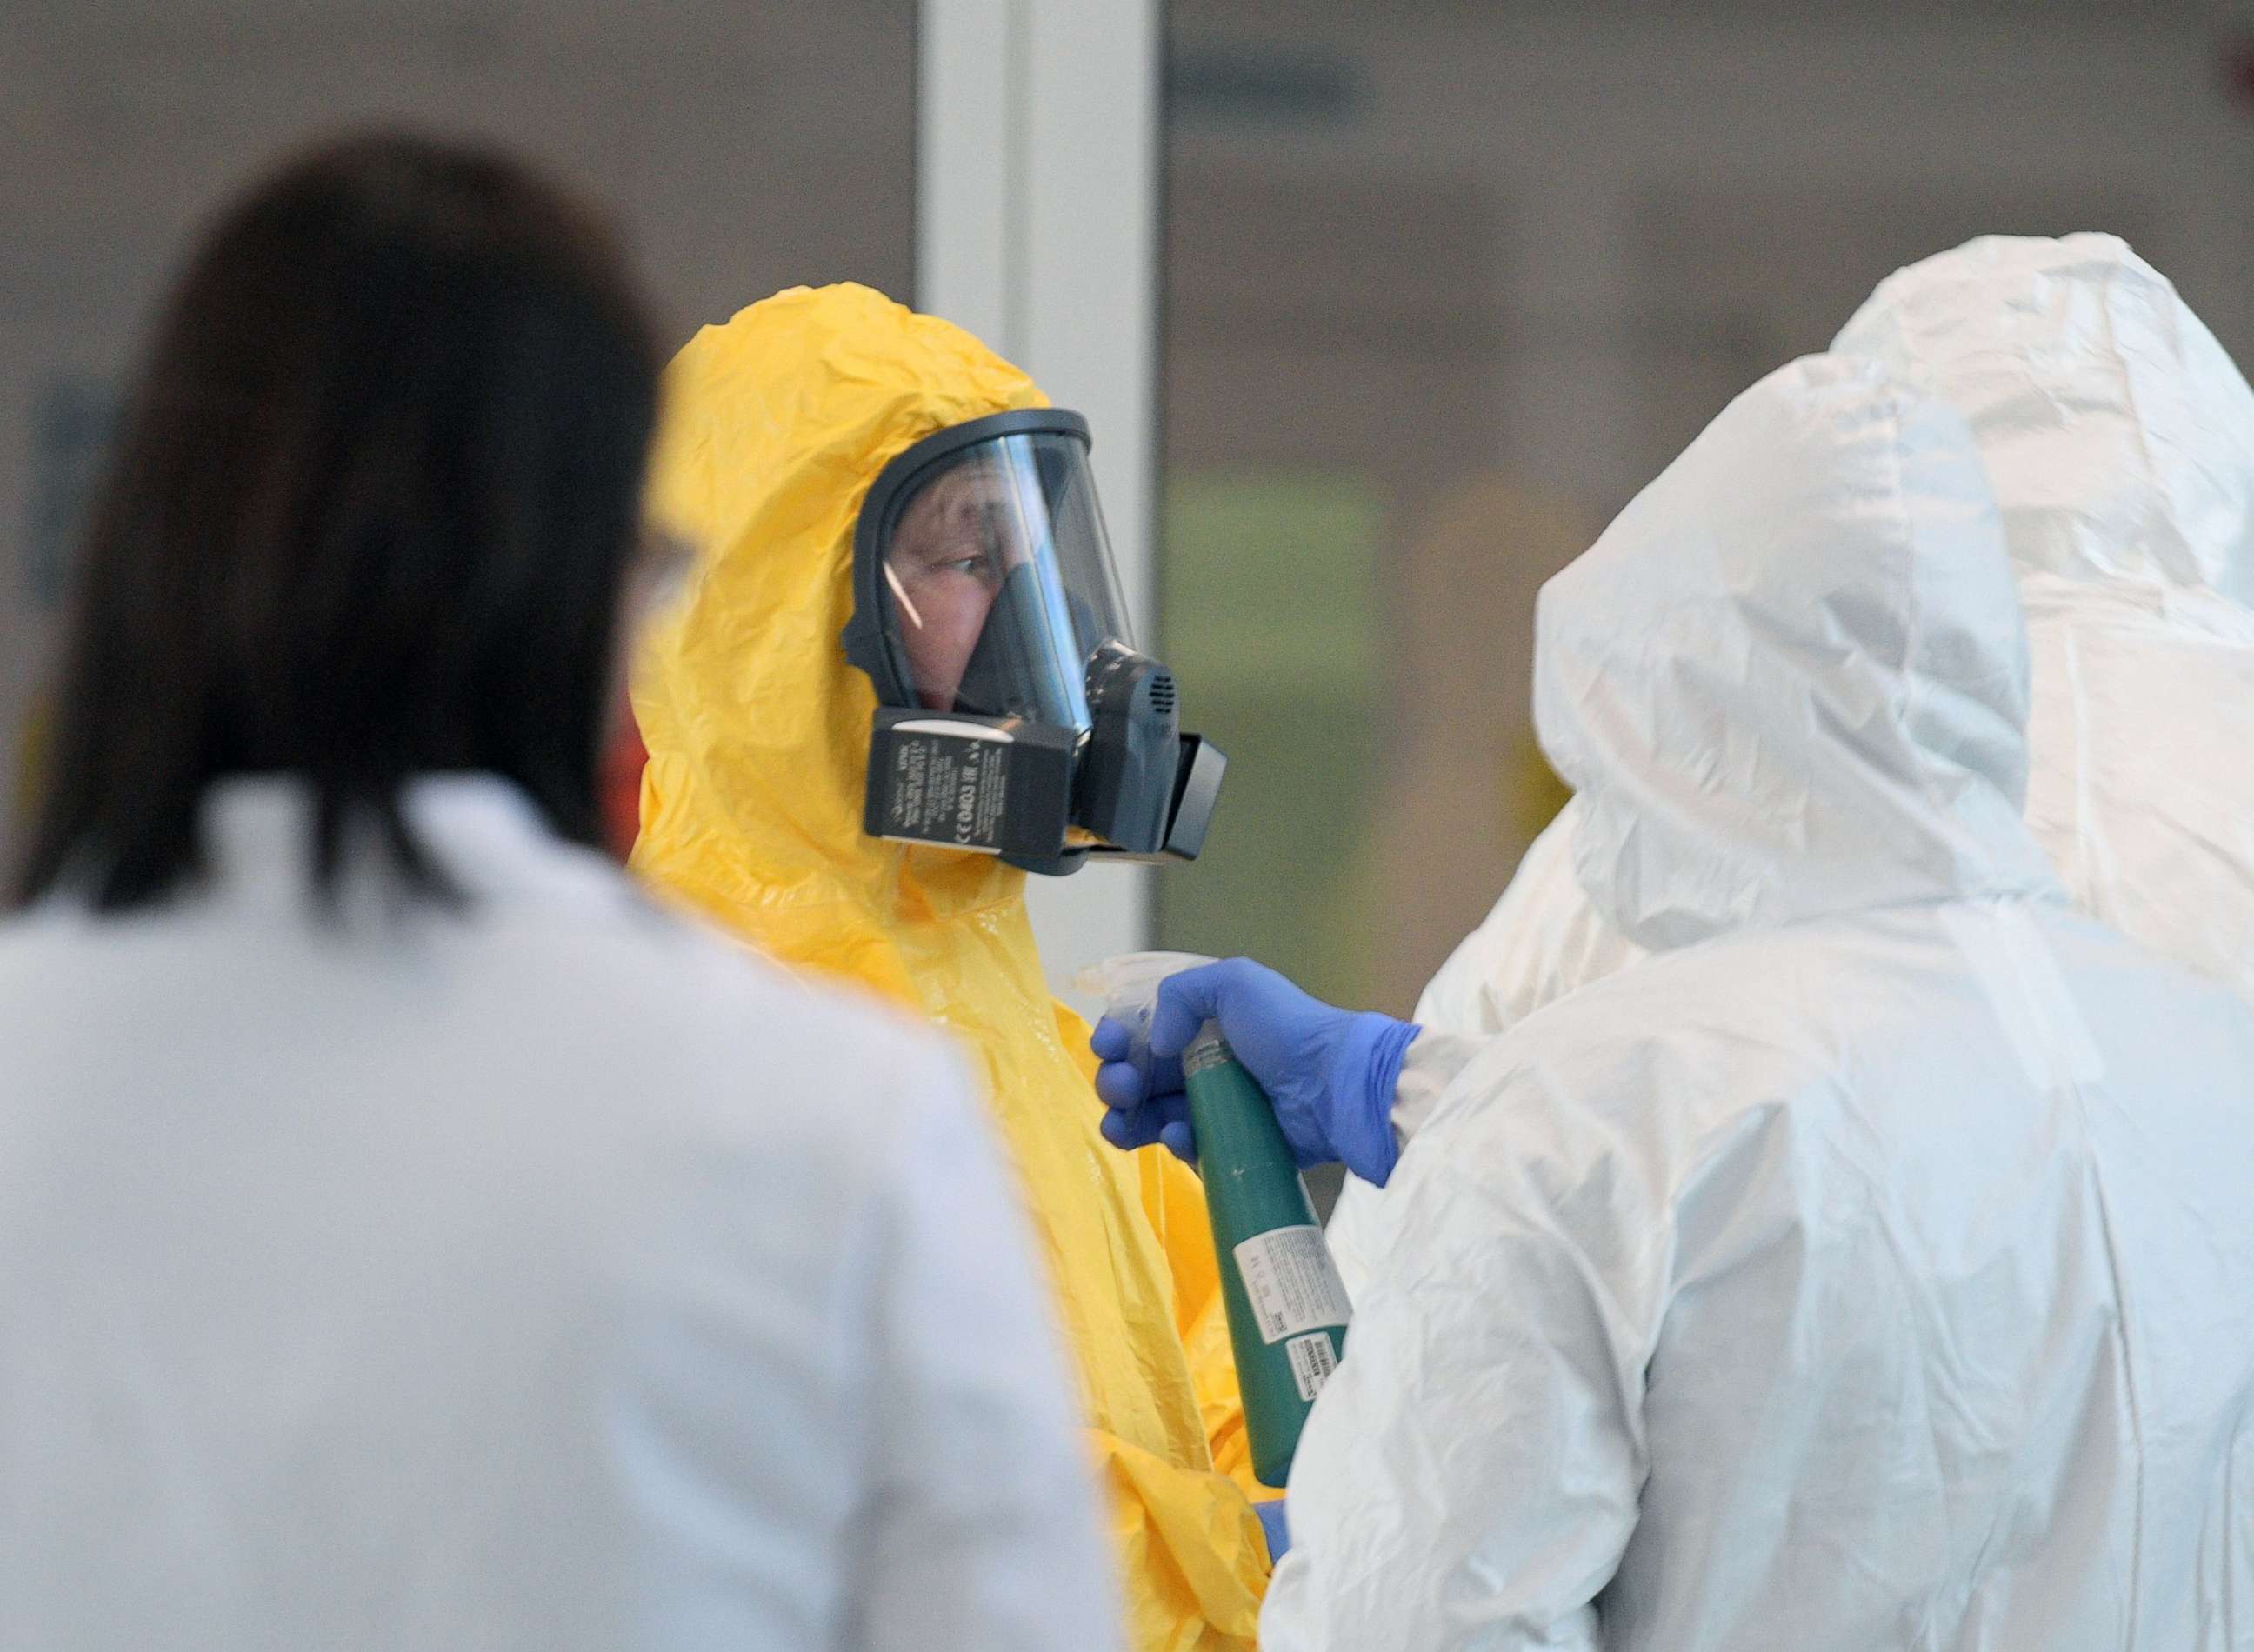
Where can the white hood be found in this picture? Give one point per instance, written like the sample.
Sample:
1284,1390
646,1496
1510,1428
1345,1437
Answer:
2114,426
1791,679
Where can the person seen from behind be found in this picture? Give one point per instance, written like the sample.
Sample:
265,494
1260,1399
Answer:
410,1237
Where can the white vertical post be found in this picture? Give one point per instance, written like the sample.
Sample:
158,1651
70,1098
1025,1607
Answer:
967,105
1036,197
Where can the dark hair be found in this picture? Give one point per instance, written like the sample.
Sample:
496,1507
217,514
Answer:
375,497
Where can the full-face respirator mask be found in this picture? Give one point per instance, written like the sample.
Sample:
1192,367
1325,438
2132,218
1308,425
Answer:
1015,715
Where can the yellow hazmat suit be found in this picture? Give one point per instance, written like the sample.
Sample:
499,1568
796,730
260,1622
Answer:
759,735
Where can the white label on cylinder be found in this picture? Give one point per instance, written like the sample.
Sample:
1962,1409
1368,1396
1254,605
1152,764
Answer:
1291,1282
1312,1361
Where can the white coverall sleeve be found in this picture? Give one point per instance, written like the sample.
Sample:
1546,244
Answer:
1543,940
984,1525
1471,1477
1430,1066
1432,1063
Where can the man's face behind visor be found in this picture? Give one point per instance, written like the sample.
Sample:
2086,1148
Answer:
996,581
949,556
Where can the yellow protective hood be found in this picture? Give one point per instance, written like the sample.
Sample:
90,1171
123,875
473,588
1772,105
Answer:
775,424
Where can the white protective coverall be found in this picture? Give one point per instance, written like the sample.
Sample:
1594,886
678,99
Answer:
1872,1268
2118,436
549,1276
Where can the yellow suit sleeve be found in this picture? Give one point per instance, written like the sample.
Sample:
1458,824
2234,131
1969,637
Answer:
1189,1539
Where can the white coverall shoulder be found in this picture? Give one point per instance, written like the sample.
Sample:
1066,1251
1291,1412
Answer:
1541,940
1858,1272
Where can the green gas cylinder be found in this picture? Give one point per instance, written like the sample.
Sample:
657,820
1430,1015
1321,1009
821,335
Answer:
1287,1309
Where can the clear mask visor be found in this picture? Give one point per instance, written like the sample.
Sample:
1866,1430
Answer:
999,581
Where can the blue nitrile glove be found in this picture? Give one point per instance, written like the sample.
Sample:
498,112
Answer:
1330,1074
1278,1529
